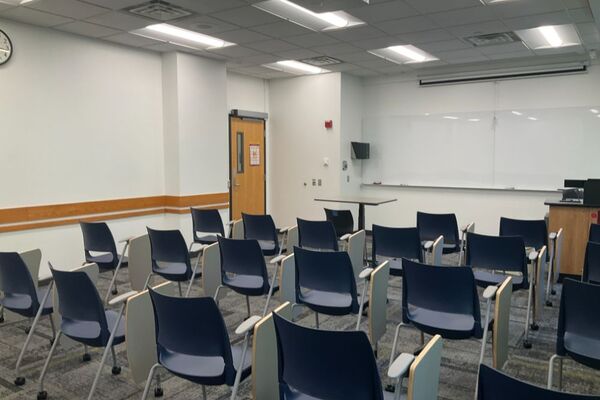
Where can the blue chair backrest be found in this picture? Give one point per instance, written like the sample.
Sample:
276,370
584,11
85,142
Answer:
594,233
169,247
98,237
329,271
442,289
15,278
396,243
242,256
495,385
533,232
431,226
317,235
505,253
207,221
591,265
78,299
192,326
329,365
260,227
342,220
578,316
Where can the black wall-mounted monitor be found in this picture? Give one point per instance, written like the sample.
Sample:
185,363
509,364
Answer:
360,151
575,183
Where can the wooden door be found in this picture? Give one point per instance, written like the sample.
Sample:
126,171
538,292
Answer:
247,166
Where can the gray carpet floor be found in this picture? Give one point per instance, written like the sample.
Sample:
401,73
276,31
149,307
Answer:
70,378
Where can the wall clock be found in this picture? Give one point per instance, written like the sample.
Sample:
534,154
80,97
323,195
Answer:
6,48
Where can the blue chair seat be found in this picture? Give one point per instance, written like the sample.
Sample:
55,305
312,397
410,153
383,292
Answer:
331,303
583,349
267,245
21,303
206,239
204,370
292,394
173,271
486,278
449,325
103,259
251,285
88,332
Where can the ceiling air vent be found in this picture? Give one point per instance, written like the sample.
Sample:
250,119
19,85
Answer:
492,39
159,10
321,61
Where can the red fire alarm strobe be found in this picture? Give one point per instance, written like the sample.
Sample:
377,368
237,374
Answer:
329,124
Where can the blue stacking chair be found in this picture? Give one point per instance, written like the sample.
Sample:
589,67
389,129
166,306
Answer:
262,228
84,319
443,301
317,235
342,221
207,225
533,232
495,385
97,238
325,283
594,233
192,343
244,271
170,258
578,333
21,297
394,244
591,265
431,226
493,258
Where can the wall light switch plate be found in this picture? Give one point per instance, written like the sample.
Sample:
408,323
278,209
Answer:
320,181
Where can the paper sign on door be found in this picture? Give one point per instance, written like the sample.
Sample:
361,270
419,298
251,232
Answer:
254,155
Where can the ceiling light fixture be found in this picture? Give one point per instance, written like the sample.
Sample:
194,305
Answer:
450,117
295,67
593,110
474,120
550,37
405,54
532,118
309,19
181,37
517,113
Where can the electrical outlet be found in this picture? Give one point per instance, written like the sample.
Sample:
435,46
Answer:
320,182
348,178
314,182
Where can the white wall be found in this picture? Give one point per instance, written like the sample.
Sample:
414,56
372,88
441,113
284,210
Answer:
298,110
401,95
247,93
81,120
352,94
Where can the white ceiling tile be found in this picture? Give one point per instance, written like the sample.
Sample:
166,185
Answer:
130,40
374,63
466,60
377,43
435,35
246,16
507,56
463,16
560,50
204,24
482,28
406,25
208,6
332,5
257,60
34,17
312,39
343,67
383,11
360,56
445,45
241,36
588,29
271,46
393,69
513,9
503,48
4,7
533,21
426,65
458,54
114,4
334,49
281,29
236,51
167,47
432,6
67,8
580,15
356,33
122,21
87,29
296,54
363,72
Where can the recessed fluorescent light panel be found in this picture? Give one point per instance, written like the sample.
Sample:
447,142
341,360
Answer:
550,37
309,19
517,113
407,54
181,37
450,117
296,67
16,2
594,111
490,2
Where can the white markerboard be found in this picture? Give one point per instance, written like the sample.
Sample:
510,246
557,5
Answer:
491,149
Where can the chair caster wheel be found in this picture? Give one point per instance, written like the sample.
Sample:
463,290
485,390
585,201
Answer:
548,303
1,319
86,357
20,381
390,388
553,292
116,370
158,392
42,395
27,330
527,344
535,327
115,291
